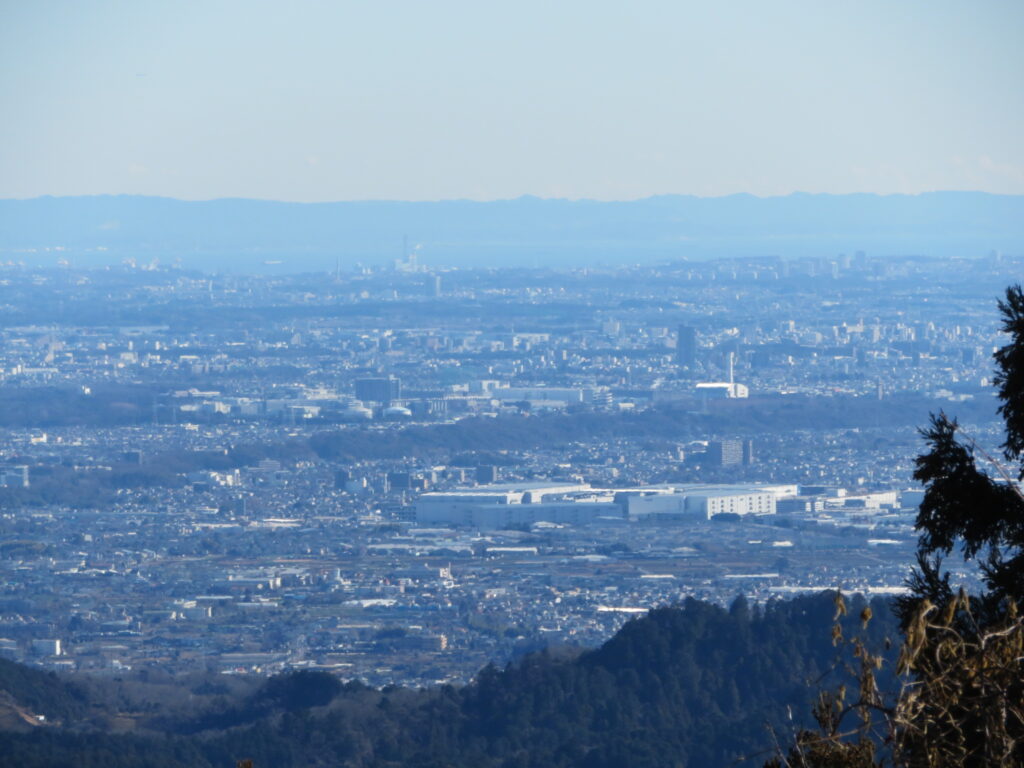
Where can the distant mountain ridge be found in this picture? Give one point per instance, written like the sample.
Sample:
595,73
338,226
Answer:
526,231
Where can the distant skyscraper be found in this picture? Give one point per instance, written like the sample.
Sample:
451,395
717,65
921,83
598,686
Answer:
725,453
748,452
730,453
686,346
379,390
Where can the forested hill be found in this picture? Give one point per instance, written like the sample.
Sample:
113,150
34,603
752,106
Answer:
689,686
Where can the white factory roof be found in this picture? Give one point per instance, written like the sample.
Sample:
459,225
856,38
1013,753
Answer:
510,491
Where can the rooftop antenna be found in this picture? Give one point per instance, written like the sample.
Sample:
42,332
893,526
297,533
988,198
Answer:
730,372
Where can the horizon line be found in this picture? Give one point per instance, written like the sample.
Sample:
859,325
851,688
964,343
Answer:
523,197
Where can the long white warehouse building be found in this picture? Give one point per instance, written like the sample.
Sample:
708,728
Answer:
500,506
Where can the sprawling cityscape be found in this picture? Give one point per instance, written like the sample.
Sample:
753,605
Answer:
511,385
401,473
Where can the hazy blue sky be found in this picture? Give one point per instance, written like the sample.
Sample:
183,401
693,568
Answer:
434,99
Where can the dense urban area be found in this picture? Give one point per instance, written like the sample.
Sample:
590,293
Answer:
402,473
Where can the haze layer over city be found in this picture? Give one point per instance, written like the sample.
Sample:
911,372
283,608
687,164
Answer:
386,344
404,472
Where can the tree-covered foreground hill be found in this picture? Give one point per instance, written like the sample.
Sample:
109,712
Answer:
689,685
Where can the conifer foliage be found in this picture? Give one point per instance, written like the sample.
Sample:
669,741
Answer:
982,511
961,699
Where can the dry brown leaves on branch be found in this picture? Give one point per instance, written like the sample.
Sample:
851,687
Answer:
961,703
